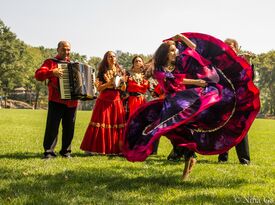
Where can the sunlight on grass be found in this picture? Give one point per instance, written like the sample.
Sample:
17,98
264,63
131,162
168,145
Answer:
27,179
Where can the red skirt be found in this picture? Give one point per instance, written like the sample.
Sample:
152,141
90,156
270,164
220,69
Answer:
134,102
105,131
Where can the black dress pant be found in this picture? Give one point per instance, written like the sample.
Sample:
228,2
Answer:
242,150
178,152
155,147
56,113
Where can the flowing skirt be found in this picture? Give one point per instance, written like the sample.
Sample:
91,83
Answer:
207,120
134,102
105,131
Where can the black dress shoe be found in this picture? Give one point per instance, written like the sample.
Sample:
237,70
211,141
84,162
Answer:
222,161
244,161
174,157
49,155
223,157
66,155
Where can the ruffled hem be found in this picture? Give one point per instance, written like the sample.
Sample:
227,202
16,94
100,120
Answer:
206,124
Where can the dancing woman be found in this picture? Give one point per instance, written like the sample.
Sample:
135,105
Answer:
210,100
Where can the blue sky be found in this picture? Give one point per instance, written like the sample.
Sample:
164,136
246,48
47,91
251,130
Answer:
138,26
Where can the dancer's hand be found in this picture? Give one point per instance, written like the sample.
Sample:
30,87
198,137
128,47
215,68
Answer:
183,38
201,83
177,37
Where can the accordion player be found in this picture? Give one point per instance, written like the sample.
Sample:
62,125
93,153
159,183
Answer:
77,82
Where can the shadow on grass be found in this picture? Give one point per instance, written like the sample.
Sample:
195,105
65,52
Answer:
21,155
150,160
92,184
30,155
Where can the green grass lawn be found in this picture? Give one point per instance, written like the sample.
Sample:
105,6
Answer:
27,179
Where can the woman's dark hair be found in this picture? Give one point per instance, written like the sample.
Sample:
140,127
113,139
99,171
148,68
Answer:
133,60
103,66
161,54
149,68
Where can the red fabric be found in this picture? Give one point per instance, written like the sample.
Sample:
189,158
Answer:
46,72
135,101
159,91
105,131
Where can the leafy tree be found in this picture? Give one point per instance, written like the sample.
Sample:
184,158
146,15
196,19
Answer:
94,61
125,59
11,52
33,59
265,79
76,57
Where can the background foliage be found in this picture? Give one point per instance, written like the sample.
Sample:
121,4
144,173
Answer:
19,61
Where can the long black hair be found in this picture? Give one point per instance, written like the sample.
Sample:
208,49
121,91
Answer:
161,54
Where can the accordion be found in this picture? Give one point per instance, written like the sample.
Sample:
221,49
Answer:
77,82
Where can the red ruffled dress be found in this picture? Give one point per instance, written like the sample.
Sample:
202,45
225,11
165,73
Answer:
105,132
136,92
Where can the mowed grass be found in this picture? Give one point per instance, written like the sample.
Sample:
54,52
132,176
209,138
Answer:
25,178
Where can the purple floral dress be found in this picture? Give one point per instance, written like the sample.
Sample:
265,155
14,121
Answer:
207,120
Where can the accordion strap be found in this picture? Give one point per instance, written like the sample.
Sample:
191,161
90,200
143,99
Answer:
58,60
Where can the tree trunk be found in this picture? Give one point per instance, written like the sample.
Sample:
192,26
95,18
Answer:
36,99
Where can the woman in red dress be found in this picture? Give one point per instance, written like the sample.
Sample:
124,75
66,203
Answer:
137,85
105,131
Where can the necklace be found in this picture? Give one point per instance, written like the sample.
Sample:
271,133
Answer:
113,70
169,68
138,77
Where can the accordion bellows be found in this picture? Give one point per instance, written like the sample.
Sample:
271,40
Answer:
77,82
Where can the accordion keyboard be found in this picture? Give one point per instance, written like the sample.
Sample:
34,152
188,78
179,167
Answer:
64,82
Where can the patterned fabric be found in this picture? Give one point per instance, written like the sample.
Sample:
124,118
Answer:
104,125
207,120
105,131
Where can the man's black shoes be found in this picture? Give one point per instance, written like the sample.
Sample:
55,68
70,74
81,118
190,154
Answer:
49,155
67,155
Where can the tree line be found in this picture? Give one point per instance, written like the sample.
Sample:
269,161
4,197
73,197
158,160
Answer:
18,62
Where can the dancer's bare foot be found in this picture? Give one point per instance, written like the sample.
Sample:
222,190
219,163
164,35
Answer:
185,173
192,164
185,176
189,164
